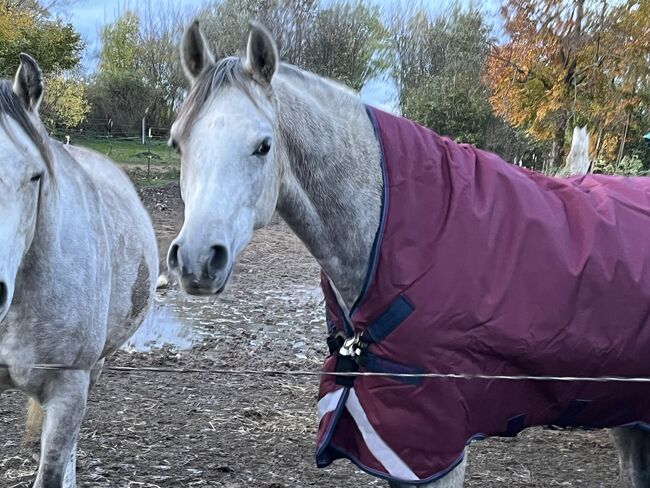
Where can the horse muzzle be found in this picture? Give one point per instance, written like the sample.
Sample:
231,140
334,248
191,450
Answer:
206,276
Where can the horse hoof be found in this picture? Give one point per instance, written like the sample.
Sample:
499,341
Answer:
163,282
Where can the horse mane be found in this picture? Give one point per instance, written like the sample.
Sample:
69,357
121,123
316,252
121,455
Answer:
11,106
312,80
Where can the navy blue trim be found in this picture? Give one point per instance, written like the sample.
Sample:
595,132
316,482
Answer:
345,364
388,321
331,326
322,459
374,253
377,364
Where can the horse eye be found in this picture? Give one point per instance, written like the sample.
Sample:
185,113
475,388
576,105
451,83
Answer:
175,146
36,177
264,148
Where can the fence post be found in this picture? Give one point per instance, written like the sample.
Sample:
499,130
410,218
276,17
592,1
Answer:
149,158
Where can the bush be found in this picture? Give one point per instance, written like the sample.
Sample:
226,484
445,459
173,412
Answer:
121,98
629,166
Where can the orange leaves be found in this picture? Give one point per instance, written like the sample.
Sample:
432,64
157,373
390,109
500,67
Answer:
588,62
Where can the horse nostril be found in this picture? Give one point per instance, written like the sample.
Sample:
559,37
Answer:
4,295
219,259
172,257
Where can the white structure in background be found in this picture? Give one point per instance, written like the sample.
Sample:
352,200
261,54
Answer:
577,162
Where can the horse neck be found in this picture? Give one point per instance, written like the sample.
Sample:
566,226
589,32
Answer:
331,187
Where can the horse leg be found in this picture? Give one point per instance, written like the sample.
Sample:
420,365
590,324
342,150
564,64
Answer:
70,475
96,372
453,479
633,445
63,400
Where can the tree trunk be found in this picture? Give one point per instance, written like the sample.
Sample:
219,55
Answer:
558,151
621,148
599,143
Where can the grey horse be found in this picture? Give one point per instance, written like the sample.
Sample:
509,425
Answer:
256,136
77,270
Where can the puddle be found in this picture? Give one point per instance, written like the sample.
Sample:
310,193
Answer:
162,328
182,320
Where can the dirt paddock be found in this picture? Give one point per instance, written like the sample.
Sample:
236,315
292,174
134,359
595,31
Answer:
203,430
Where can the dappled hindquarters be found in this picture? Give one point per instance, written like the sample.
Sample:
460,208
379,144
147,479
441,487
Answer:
146,429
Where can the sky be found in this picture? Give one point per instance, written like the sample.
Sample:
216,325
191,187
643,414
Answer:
88,16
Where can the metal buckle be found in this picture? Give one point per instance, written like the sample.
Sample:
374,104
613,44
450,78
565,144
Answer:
352,346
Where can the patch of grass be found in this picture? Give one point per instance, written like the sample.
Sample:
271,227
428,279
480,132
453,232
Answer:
155,183
129,151
133,156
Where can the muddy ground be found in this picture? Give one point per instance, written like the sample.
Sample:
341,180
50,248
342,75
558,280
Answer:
203,430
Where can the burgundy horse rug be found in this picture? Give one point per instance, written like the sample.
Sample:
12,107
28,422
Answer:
482,267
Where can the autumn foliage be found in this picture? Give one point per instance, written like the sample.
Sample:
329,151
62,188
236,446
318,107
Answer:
568,63
26,26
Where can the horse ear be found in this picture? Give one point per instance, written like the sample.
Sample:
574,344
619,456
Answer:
262,57
195,52
28,83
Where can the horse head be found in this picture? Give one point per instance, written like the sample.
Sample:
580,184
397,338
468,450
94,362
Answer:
24,164
225,134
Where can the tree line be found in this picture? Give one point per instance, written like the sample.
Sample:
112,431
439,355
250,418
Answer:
517,86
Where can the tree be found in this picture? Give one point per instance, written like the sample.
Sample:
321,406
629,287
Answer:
226,24
120,100
25,26
341,41
158,62
120,45
139,61
569,62
64,102
438,69
290,22
346,42
117,92
625,78
13,23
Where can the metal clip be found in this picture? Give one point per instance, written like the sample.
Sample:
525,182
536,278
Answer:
352,346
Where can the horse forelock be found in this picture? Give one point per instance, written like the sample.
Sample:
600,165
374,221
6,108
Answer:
227,72
230,72
11,106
